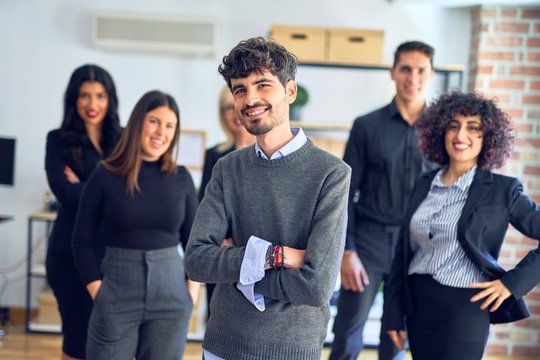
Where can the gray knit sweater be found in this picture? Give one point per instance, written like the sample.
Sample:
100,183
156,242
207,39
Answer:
299,200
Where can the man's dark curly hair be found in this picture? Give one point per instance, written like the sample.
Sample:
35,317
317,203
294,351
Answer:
497,132
258,54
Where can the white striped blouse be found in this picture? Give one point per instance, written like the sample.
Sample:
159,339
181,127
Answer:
433,234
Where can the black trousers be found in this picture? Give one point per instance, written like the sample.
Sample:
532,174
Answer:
74,302
445,324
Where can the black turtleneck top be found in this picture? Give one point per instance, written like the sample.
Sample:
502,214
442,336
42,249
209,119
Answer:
160,215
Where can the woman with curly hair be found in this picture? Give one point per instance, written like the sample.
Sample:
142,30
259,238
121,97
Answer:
445,286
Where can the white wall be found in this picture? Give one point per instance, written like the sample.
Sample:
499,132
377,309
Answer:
41,42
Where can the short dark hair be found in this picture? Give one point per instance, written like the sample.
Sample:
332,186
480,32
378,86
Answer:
258,54
497,132
407,46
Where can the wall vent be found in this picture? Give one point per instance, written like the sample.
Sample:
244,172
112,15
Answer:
155,33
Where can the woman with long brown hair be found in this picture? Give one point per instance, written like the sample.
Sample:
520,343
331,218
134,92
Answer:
146,204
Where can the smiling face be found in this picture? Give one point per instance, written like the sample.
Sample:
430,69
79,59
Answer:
92,103
159,128
261,102
463,140
412,74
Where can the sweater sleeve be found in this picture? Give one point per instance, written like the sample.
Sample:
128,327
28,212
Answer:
65,192
525,217
314,283
205,260
190,209
88,219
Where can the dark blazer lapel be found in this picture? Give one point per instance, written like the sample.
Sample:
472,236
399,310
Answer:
479,188
422,188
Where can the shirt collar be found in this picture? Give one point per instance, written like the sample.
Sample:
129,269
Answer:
296,143
394,111
395,114
463,183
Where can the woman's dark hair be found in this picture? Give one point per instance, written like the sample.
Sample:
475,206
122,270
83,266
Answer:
258,54
73,132
497,132
126,158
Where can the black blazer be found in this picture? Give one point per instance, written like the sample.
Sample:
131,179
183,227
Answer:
66,193
210,159
494,201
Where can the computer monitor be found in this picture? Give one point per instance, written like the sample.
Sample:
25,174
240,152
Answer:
7,161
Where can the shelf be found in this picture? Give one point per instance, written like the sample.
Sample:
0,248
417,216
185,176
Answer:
321,125
440,69
446,71
44,215
47,328
38,270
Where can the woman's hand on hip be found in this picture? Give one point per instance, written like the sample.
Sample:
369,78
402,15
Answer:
494,291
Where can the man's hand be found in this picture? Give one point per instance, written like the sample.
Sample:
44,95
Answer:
398,338
353,274
228,242
93,288
294,258
494,291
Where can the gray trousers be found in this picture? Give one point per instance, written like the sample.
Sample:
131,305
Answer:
143,307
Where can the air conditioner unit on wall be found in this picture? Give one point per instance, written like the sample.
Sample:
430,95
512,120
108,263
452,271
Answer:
155,33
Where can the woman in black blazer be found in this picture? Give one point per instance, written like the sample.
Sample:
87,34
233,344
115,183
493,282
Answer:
89,132
445,286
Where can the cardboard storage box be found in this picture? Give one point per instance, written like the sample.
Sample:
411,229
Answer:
307,43
355,46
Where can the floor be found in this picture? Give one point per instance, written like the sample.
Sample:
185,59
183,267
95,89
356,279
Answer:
16,345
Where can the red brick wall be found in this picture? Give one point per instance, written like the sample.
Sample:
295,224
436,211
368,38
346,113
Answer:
505,63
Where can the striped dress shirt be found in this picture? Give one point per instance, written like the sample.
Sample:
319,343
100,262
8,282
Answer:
433,234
